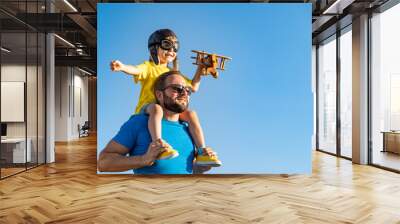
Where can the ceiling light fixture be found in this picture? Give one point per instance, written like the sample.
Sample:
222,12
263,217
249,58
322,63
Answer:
64,40
5,49
71,6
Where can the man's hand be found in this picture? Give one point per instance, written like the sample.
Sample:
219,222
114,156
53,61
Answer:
153,151
116,66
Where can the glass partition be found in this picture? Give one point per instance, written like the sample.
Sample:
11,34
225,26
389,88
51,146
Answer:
13,109
22,89
385,85
327,95
346,92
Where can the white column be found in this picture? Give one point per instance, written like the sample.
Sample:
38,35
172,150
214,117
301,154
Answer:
50,92
50,110
360,90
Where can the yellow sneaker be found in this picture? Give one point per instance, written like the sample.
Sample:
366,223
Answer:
168,154
205,160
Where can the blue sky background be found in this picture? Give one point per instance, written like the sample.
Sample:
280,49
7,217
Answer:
258,114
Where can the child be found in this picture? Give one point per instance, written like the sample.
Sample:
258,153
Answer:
163,46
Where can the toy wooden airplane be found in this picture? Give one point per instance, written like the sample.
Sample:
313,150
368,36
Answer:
211,61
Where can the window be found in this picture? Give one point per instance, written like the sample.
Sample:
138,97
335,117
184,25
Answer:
327,95
346,92
385,88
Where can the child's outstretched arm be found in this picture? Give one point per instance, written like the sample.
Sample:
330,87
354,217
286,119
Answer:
197,77
128,69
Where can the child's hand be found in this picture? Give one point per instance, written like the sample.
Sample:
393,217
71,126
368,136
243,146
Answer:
116,66
202,68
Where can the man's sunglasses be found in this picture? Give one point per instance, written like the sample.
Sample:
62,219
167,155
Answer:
168,44
179,89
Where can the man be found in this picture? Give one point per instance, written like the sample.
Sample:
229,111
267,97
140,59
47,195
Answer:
172,95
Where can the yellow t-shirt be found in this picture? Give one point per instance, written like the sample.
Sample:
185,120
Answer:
148,75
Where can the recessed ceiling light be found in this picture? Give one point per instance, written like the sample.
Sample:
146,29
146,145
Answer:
65,41
84,71
71,6
337,7
5,50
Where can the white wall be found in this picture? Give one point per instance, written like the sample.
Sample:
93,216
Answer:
61,103
12,73
33,127
79,117
70,84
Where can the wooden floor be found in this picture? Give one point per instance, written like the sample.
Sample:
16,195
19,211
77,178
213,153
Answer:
70,191
5,172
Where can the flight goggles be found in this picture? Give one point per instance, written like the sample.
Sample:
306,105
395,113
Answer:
169,44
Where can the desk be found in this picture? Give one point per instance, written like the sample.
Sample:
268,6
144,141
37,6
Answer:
391,141
15,148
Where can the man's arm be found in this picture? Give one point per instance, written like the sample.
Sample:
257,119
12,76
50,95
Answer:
113,159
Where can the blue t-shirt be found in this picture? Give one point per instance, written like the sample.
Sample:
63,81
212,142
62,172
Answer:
135,135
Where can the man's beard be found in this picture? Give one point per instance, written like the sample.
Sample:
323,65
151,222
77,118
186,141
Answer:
173,105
